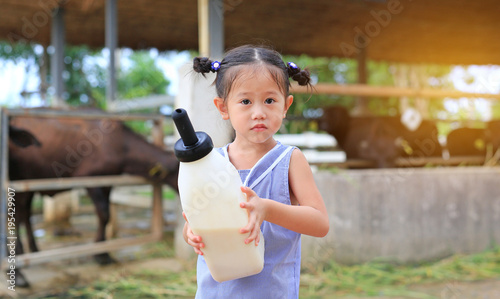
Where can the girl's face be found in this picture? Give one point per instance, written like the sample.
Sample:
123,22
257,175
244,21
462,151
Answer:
255,106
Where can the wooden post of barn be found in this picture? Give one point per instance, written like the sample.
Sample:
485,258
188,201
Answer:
211,28
361,107
157,219
111,36
4,139
57,60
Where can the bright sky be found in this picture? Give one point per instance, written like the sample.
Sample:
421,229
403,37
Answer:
486,80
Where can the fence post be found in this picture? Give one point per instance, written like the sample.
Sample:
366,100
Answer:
157,206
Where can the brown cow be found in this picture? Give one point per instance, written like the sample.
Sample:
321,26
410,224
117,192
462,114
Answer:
422,142
73,148
381,139
467,142
369,138
493,134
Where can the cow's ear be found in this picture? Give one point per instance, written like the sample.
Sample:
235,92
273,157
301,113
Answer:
22,138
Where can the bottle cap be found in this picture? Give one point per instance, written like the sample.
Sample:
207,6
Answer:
193,145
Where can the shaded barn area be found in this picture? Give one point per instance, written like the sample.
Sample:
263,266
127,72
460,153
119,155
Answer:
445,32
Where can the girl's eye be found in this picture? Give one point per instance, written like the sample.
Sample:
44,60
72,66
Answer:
269,101
245,102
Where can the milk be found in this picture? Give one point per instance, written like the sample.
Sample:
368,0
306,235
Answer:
228,258
209,188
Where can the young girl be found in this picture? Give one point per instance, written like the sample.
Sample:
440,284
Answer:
282,198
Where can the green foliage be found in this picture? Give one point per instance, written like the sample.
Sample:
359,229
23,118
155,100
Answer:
344,71
142,79
17,51
78,89
323,70
85,74
495,110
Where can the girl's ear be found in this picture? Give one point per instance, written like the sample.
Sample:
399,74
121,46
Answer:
222,107
288,103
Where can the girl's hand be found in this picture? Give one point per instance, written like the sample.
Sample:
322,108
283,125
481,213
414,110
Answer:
256,215
191,238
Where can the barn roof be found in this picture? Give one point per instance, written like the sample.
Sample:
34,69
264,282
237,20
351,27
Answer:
418,31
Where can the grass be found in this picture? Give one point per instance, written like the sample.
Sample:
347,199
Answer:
330,280
140,284
386,279
167,193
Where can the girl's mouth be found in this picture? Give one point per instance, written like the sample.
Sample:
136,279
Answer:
259,127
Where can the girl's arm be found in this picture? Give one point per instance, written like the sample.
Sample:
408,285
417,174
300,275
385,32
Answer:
307,216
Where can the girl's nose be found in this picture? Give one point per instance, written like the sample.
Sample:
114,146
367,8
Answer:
258,113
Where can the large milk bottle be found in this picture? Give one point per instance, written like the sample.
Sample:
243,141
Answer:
209,188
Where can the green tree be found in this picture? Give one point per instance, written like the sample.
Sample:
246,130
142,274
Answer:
78,87
142,79
85,74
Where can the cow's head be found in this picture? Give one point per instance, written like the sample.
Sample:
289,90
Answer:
22,138
335,121
380,142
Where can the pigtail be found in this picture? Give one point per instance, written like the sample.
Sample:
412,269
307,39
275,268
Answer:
303,77
204,65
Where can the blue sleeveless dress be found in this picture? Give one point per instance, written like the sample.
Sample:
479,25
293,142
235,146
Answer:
280,277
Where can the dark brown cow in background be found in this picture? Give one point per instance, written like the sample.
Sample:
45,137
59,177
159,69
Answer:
370,138
467,142
475,141
493,134
423,142
381,139
73,148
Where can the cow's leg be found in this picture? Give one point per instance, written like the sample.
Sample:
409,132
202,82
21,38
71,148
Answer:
100,197
27,223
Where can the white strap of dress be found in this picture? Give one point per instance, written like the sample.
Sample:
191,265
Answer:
224,150
269,169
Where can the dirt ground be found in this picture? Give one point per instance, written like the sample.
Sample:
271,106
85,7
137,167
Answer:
58,277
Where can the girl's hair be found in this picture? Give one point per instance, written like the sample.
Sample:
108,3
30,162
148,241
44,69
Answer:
251,56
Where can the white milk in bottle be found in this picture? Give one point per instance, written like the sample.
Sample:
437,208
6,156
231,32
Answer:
209,188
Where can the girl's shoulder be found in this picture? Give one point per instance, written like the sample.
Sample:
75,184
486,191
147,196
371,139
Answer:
298,163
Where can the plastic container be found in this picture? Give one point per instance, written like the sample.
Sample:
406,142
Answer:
209,188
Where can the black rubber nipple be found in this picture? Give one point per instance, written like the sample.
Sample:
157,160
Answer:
193,145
